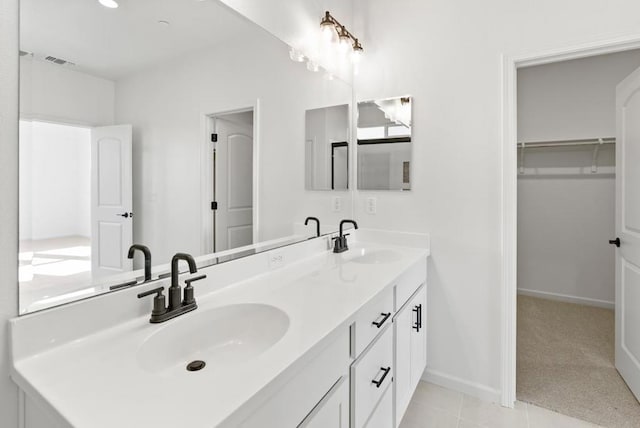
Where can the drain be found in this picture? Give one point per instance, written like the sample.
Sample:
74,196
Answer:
196,365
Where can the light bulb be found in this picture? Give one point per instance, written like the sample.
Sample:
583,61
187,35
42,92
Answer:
111,4
344,43
312,66
328,32
356,55
296,55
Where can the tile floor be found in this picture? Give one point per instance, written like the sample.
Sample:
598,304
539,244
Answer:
436,407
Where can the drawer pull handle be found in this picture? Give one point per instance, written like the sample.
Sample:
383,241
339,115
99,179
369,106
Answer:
384,316
418,310
378,383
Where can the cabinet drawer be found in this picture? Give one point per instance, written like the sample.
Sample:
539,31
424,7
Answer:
371,376
382,416
409,282
371,319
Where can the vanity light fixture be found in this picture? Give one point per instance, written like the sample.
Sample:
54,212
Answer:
296,55
331,27
111,4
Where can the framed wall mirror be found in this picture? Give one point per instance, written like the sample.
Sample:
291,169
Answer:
327,148
385,144
174,125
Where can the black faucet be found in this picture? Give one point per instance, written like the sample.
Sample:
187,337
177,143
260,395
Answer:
341,240
177,305
147,259
306,222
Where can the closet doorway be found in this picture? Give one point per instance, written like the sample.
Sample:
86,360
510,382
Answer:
566,268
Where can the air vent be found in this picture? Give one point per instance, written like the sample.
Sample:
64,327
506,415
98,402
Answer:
58,61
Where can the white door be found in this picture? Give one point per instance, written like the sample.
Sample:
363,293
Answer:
233,186
628,230
111,199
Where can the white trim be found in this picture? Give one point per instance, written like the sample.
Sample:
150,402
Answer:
206,172
477,390
509,186
567,298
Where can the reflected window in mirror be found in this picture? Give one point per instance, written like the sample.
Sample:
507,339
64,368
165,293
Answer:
327,148
384,136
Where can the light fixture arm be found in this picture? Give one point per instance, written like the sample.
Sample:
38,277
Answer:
340,29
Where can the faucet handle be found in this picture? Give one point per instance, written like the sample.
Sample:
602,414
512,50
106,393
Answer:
188,281
188,290
159,307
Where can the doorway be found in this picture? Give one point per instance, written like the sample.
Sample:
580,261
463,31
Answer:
232,179
55,204
566,214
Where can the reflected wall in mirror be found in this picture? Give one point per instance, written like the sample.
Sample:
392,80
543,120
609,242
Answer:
384,144
327,148
171,124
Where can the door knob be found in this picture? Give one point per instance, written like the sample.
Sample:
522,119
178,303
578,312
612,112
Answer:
126,215
615,242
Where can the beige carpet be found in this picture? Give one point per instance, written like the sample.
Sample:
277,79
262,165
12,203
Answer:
566,363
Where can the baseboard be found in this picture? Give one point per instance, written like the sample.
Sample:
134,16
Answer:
474,389
567,298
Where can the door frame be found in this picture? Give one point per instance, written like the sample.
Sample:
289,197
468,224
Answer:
333,152
206,167
509,184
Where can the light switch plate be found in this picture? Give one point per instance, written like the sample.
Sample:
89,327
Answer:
372,205
336,204
276,260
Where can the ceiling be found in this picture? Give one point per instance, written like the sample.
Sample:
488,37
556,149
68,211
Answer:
112,43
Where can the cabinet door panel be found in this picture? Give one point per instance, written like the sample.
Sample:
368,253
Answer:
418,338
410,355
333,410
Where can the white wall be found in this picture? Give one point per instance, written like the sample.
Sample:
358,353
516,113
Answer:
167,106
572,99
565,221
449,56
9,197
60,94
55,180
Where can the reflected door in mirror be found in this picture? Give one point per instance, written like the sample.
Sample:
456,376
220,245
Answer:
233,182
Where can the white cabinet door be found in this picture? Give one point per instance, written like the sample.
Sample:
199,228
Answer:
418,337
333,410
410,355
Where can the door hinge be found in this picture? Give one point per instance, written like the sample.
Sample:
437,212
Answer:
214,205
214,138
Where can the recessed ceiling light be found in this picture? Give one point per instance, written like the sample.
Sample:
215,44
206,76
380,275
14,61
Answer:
111,4
163,23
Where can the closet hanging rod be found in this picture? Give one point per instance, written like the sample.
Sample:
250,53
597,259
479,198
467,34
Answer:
565,143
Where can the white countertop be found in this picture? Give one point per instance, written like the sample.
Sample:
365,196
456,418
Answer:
97,381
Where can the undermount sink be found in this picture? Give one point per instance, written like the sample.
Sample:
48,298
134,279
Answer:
220,337
376,256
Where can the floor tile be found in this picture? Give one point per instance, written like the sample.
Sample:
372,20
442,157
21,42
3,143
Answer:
438,397
423,416
493,415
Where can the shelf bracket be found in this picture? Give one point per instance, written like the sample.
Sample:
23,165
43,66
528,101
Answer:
521,158
594,161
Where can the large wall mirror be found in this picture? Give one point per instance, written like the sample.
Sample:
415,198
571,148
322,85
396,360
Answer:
384,144
167,123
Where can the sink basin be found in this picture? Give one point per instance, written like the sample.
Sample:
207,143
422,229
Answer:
374,257
220,337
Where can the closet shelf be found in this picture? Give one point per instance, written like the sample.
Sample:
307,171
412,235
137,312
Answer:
595,142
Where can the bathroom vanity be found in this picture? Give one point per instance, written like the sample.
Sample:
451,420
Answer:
296,336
